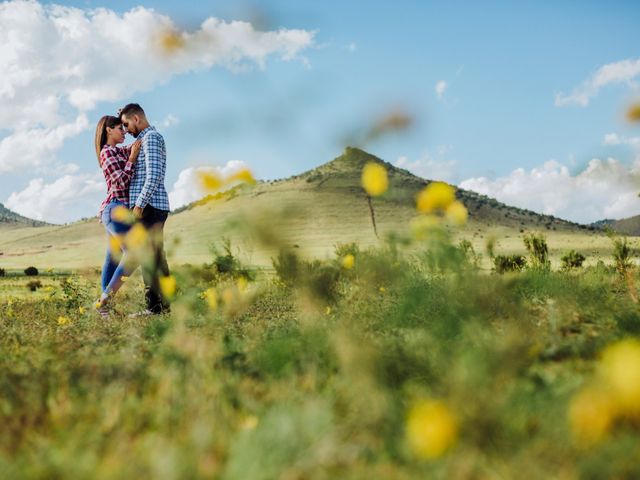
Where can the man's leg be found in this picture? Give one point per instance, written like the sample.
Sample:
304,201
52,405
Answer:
156,265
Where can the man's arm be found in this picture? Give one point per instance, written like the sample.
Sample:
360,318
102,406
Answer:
156,164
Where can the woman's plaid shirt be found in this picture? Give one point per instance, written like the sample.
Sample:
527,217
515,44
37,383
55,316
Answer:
117,170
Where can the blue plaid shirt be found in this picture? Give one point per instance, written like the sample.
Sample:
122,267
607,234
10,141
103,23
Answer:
147,185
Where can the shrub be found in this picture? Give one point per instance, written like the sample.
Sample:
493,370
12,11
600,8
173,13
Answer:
536,245
572,259
34,285
509,263
622,254
226,263
2,272
287,266
31,272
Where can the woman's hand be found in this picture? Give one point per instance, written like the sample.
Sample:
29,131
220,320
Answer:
135,150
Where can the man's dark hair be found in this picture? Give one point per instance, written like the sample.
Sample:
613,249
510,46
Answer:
131,109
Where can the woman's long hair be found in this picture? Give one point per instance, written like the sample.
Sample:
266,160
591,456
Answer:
101,132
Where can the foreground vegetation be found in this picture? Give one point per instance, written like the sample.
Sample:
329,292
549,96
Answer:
373,364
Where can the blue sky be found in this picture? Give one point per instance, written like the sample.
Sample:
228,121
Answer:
503,65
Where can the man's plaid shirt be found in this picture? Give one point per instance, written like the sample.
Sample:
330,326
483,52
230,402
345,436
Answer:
147,186
117,170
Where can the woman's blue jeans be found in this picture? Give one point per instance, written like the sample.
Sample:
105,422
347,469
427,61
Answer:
115,263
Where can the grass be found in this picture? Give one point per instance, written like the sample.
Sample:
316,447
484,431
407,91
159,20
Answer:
315,378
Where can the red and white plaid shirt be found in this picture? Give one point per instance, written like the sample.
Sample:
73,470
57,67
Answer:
117,170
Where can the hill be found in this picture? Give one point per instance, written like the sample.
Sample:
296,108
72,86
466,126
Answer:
12,219
625,226
311,211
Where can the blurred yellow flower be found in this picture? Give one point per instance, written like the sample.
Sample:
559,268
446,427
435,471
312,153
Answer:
591,414
457,213
249,423
168,286
50,270
242,284
382,289
431,429
633,114
327,311
227,296
9,302
243,175
211,296
115,245
62,320
374,179
136,236
209,181
435,196
81,310
620,368
348,261
171,41
421,226
123,215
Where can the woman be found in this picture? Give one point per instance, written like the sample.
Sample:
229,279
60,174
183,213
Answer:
117,165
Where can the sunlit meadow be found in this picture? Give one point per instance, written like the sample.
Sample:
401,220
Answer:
402,361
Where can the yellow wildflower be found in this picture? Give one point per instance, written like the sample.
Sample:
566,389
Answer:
243,175
431,429
620,369
62,320
168,286
328,310
435,196
633,114
211,296
242,284
171,41
136,236
591,414
382,289
209,181
81,310
374,179
123,215
49,270
457,213
9,302
249,423
227,296
348,261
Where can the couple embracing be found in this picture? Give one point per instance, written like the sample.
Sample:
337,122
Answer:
135,180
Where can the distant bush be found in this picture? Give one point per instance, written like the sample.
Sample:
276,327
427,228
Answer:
342,249
31,272
34,285
2,272
571,260
226,263
287,266
509,263
622,254
536,245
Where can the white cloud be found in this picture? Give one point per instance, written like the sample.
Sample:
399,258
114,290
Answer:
58,62
604,189
624,71
431,168
36,147
615,139
441,87
169,121
187,188
61,201
352,47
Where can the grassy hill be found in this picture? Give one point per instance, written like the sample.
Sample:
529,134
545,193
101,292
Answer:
12,219
625,226
312,211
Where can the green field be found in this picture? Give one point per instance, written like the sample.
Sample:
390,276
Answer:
312,349
401,366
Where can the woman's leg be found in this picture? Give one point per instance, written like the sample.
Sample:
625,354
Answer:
108,268
116,231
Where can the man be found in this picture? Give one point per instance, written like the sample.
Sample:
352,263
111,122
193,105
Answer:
149,200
